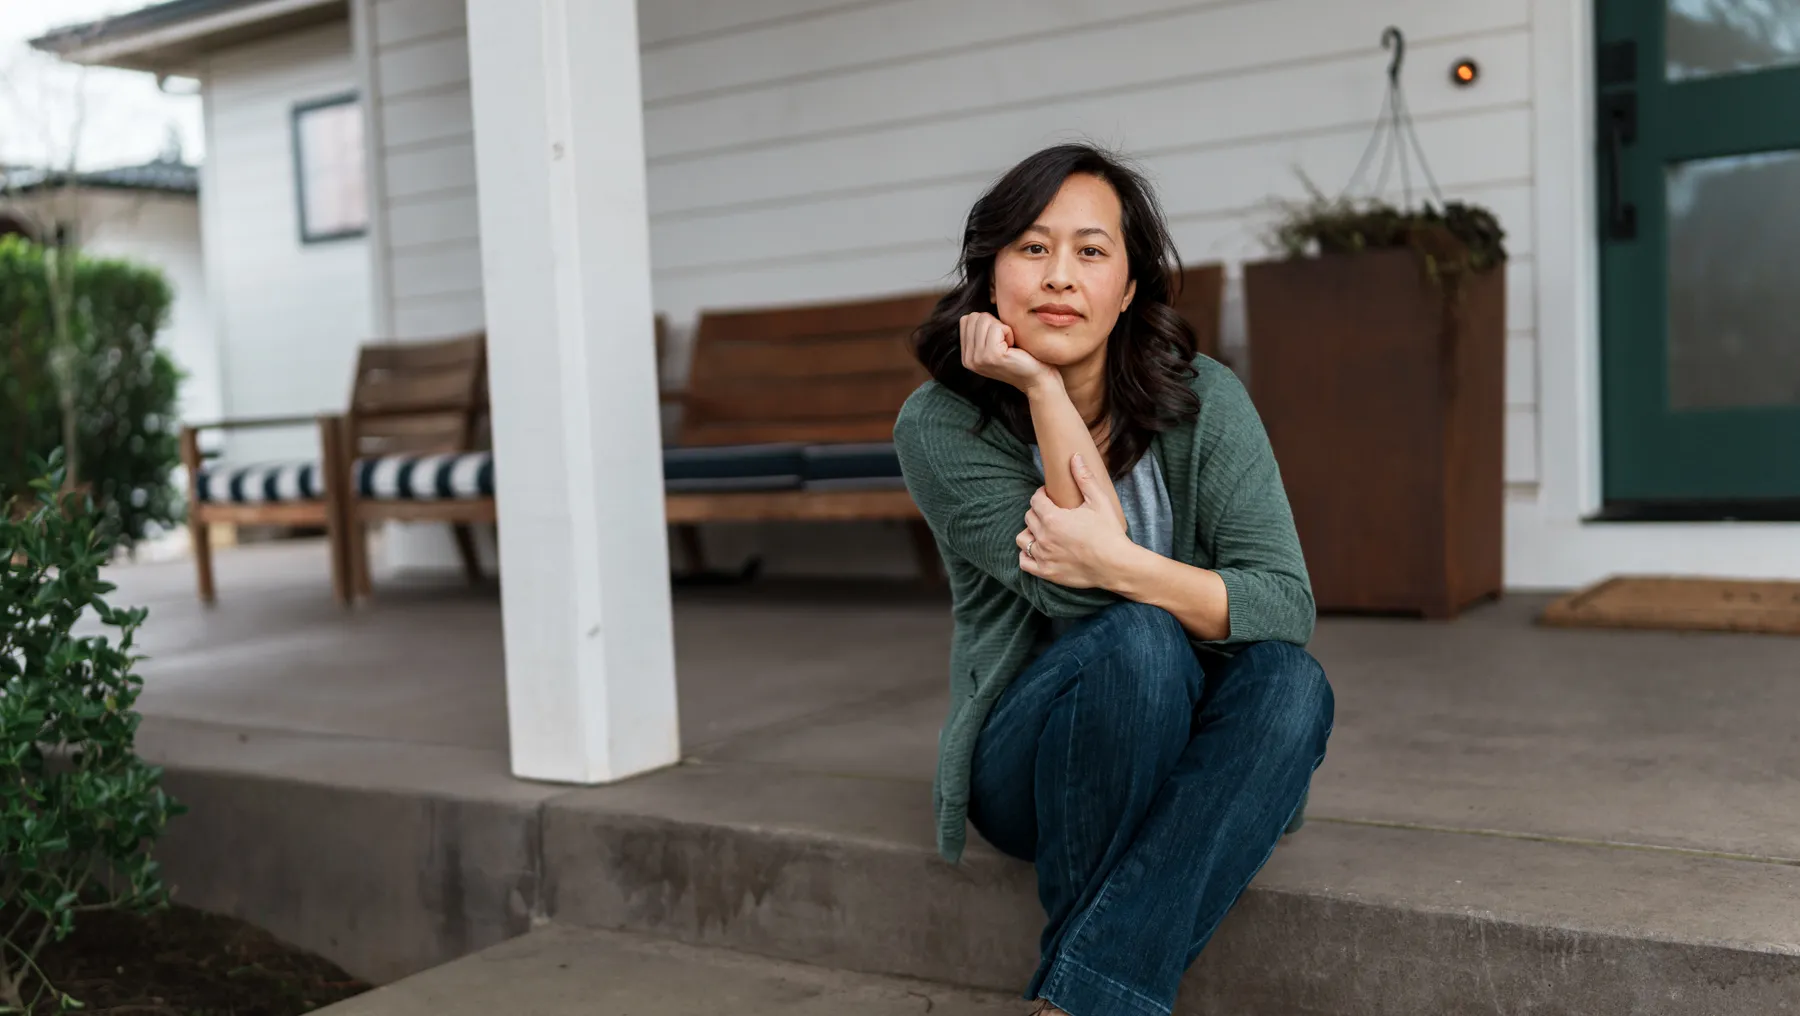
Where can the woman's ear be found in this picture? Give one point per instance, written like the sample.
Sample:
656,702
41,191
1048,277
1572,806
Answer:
1130,291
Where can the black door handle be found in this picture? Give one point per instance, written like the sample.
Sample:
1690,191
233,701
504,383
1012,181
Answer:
1620,129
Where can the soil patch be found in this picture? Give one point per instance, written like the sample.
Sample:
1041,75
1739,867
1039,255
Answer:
184,962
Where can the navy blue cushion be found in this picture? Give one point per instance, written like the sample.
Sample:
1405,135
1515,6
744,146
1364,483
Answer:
725,468
852,466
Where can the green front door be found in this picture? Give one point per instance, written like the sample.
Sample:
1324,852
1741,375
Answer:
1699,198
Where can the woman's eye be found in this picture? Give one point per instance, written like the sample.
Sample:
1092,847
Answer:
1092,252
1035,248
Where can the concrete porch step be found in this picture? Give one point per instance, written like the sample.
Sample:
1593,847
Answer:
1347,919
392,859
562,971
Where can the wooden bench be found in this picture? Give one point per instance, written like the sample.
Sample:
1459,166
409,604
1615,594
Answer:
406,449
788,415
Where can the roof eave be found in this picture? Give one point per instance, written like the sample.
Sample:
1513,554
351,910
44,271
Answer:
179,47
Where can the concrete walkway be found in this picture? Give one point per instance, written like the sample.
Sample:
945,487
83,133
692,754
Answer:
559,971
1510,818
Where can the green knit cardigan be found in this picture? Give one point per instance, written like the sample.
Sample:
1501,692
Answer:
974,485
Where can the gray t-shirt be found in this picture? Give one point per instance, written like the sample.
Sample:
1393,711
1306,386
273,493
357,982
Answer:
1145,498
1148,511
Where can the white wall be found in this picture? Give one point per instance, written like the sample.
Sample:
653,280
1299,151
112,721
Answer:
802,149
415,62
163,230
811,149
289,315
821,149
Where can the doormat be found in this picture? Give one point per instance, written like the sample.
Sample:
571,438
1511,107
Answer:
1681,604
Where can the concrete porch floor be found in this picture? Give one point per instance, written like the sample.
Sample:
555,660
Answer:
1581,797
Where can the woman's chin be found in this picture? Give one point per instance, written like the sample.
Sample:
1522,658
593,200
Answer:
1058,350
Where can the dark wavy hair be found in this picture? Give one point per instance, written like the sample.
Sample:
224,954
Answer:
1150,353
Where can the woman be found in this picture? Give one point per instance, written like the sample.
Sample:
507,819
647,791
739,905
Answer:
1131,708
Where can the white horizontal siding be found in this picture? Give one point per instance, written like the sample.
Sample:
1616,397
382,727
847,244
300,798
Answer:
419,119
437,271
803,151
789,49
812,149
439,315
1200,190
420,78
289,316
437,64
1038,72
451,217
671,22
1215,112
443,166
406,22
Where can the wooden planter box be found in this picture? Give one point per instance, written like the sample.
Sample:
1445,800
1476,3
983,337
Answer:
1386,413
1200,299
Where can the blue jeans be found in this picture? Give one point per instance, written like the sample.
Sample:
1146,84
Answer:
1148,789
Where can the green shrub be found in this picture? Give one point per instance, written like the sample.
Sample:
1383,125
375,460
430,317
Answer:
127,445
79,811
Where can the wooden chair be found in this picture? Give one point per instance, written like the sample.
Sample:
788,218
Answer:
279,494
407,449
789,416
416,446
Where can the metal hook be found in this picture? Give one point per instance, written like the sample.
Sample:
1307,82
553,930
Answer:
1392,39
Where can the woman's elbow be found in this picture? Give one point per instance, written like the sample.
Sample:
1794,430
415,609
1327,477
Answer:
1065,604
1305,612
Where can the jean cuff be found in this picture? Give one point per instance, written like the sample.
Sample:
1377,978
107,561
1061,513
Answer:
1079,991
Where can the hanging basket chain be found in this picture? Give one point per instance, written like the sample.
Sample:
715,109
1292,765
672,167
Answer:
1394,134
1453,238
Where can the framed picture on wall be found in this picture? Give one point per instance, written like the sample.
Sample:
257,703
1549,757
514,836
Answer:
330,187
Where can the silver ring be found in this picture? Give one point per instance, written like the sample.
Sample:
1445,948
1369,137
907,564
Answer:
1030,544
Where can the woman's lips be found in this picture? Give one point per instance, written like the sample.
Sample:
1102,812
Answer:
1057,317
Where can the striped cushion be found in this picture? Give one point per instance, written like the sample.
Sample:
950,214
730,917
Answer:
450,477
471,474
873,466
268,483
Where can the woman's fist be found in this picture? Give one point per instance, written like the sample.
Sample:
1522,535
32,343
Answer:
988,349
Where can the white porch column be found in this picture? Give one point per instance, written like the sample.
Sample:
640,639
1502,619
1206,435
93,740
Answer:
565,257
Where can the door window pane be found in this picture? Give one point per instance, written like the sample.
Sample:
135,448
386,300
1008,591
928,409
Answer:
1734,282
1703,38
328,143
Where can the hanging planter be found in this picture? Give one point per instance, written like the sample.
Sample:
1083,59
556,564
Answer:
1377,347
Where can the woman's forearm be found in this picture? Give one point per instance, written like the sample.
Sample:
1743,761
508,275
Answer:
1061,435
1196,596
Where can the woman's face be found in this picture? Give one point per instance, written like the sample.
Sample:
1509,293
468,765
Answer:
1061,285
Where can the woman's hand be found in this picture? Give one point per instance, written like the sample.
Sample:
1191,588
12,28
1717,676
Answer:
989,349
1080,547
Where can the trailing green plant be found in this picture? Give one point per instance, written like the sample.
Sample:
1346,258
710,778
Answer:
1450,239
85,366
79,810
